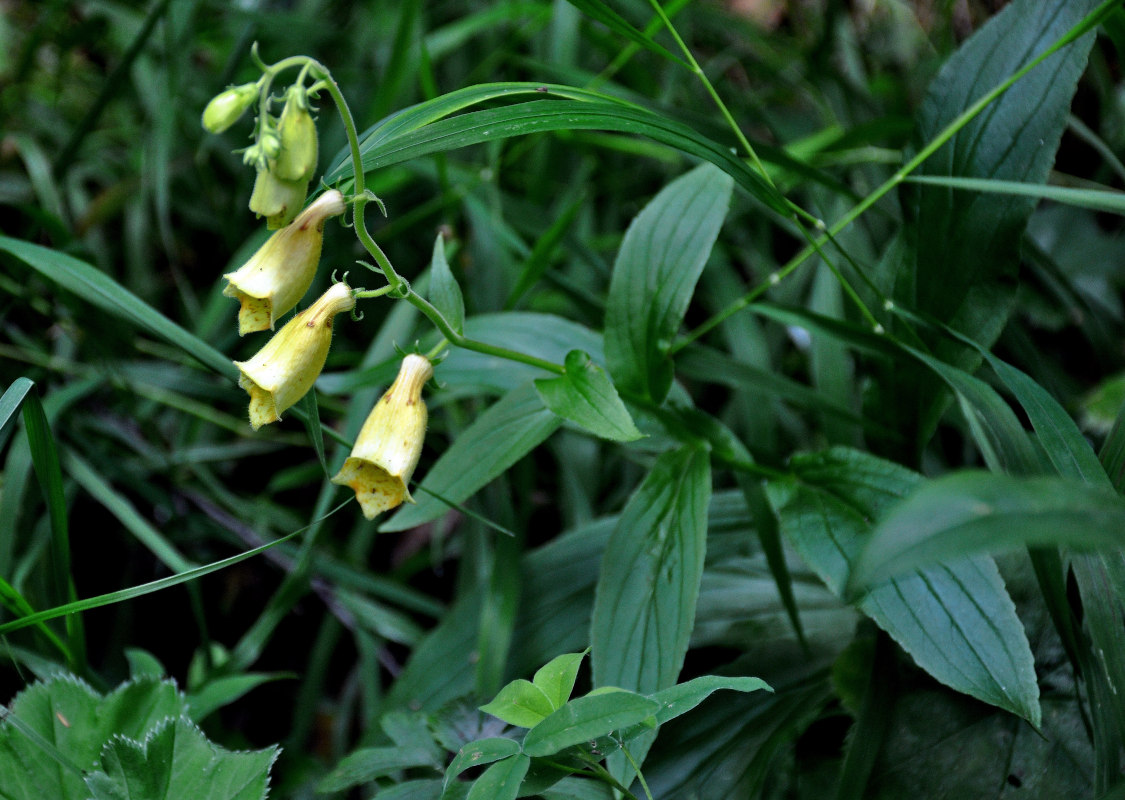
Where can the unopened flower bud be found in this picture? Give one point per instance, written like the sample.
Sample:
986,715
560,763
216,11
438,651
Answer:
277,200
277,276
287,367
296,159
390,442
227,107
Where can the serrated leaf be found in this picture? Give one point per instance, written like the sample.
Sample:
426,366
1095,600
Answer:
586,396
177,761
956,619
502,780
69,715
445,292
586,718
974,512
556,678
654,277
479,753
520,703
497,439
683,697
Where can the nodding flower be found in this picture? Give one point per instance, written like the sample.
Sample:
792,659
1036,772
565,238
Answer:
287,367
390,442
296,160
277,276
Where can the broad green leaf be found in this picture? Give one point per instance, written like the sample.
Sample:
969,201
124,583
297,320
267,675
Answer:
683,697
586,718
955,619
595,9
369,763
644,607
502,780
973,512
67,715
445,293
520,703
480,752
966,244
648,586
497,439
654,277
177,761
586,396
556,678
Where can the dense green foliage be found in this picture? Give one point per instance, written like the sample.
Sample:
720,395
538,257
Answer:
776,367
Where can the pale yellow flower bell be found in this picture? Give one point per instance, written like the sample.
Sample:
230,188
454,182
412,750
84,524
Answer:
390,442
287,367
277,276
277,200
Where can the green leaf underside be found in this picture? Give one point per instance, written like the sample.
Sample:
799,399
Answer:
177,761
956,619
660,261
974,512
587,718
586,396
498,438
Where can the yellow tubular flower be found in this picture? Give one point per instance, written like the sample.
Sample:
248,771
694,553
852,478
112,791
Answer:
287,367
387,450
278,275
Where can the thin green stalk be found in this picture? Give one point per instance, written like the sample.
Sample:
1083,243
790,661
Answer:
711,91
637,769
947,133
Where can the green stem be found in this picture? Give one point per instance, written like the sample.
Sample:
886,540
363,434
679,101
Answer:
947,133
711,91
458,340
637,769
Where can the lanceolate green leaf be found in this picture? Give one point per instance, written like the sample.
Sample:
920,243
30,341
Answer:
101,290
654,277
502,780
973,512
828,510
965,239
586,396
445,293
498,438
1094,199
540,116
595,9
644,606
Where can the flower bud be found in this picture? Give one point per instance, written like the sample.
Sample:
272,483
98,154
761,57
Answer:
277,200
387,450
296,160
287,367
227,107
277,276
